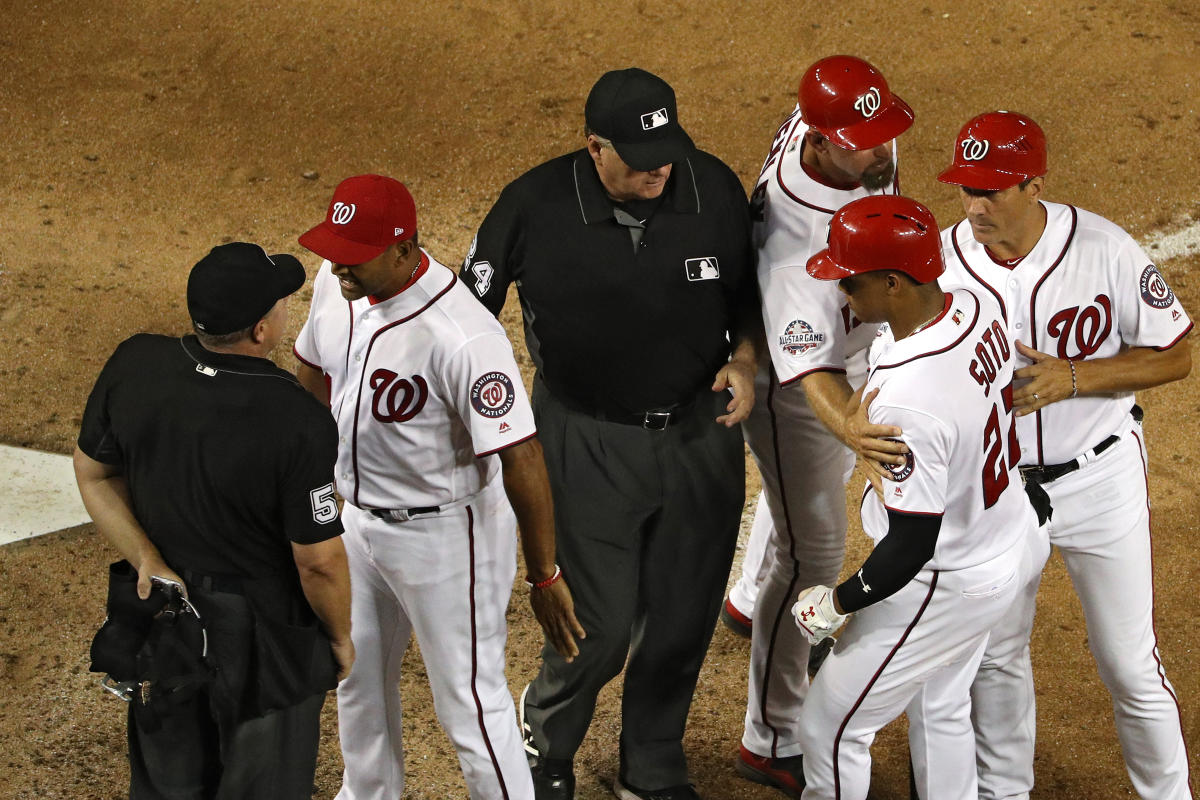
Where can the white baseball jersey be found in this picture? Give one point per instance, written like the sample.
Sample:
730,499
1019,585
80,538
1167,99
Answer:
1085,290
808,323
423,387
962,464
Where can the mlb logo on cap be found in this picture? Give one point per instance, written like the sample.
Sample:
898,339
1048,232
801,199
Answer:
368,214
655,119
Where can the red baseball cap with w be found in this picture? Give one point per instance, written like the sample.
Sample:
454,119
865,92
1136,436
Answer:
368,213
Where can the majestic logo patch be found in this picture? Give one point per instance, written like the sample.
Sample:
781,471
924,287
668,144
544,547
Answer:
654,119
868,103
900,472
799,337
492,395
1155,292
342,213
505,427
396,399
702,269
974,149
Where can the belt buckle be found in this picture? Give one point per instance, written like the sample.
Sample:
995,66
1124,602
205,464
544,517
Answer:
656,420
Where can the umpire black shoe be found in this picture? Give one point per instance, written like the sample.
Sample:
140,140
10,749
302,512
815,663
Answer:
553,779
626,792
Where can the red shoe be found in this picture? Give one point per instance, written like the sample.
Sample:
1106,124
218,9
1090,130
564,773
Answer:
785,774
735,620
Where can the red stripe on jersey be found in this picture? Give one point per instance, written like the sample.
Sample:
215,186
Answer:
835,370
947,348
963,260
837,740
362,374
1162,672
475,657
304,360
1186,331
506,446
793,583
1033,329
789,192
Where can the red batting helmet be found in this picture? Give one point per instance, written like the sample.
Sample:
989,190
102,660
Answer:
997,150
849,102
881,232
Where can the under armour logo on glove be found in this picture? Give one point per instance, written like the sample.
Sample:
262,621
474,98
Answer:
815,614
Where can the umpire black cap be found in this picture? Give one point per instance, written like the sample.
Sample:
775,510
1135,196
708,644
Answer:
236,284
636,111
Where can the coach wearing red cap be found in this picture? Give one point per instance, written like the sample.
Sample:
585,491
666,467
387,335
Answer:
632,262
437,450
205,464
1093,320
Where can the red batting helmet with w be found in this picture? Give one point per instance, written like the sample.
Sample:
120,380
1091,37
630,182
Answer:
849,102
997,150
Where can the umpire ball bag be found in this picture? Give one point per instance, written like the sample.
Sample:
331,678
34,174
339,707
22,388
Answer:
153,650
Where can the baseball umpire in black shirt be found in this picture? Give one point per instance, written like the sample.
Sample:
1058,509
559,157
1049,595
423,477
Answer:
205,464
634,272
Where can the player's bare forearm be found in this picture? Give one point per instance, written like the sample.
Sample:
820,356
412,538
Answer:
1050,379
325,579
105,494
528,488
313,379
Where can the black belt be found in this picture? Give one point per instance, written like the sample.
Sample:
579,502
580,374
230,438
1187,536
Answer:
211,582
656,419
1052,472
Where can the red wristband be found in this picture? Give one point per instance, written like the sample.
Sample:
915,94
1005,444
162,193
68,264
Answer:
553,579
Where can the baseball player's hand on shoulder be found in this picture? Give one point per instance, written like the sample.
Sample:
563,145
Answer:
876,445
738,376
1049,381
816,614
555,612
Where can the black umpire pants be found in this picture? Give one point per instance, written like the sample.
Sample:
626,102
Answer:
204,750
647,525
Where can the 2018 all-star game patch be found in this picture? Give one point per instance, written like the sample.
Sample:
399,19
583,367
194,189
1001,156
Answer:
492,395
799,337
1155,291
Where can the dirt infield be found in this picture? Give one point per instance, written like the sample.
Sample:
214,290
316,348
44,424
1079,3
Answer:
136,135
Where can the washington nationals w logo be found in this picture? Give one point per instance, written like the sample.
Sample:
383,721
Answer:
974,149
1086,328
342,213
396,399
868,103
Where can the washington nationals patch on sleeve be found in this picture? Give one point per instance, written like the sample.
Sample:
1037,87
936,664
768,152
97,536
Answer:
492,395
